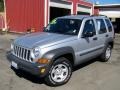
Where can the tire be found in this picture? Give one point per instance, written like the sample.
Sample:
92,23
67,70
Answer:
60,72
107,54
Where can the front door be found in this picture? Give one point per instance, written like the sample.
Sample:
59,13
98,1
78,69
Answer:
87,45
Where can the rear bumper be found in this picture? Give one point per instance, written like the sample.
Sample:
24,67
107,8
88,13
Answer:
32,68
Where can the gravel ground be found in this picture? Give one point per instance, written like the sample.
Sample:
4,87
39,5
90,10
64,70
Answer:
93,75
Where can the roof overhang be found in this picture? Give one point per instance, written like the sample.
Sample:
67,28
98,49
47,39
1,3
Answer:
110,10
110,14
107,6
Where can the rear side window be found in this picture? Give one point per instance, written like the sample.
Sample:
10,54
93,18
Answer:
108,25
101,26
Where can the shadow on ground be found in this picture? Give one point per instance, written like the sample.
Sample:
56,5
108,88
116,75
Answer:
28,76
24,74
38,80
82,65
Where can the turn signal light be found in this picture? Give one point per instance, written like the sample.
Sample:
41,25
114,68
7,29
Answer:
43,61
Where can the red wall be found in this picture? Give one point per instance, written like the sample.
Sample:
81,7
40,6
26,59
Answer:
25,14
96,11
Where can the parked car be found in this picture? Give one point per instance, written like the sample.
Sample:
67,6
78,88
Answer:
66,42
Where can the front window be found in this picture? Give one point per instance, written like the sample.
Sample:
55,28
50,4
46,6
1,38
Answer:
64,26
89,27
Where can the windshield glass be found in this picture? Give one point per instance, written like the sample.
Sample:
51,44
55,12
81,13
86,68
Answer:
64,26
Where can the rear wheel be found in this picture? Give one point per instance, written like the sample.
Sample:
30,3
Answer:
60,72
107,54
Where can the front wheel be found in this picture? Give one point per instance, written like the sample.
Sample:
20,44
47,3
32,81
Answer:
60,72
107,53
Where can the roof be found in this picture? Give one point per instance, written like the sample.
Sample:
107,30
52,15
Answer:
108,5
75,16
79,16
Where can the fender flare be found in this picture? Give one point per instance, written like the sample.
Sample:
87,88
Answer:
52,55
109,40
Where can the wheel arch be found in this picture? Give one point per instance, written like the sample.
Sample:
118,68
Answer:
111,44
110,41
66,52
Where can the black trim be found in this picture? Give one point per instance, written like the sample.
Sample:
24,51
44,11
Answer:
90,51
32,68
53,54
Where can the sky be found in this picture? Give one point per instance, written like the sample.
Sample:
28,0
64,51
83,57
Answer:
106,1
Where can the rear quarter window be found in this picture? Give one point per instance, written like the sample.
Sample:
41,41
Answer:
108,25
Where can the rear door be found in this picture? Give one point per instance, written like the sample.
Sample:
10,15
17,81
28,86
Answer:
102,32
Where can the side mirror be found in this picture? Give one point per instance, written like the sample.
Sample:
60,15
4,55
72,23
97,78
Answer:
44,28
88,34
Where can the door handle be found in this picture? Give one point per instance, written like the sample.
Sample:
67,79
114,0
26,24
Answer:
95,38
106,35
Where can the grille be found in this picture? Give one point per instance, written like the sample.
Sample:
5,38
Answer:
22,53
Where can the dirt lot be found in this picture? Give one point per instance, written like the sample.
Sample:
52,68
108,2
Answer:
93,75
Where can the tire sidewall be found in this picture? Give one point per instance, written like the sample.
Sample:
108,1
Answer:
65,62
104,55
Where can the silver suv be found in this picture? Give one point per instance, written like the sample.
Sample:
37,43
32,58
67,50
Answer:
66,42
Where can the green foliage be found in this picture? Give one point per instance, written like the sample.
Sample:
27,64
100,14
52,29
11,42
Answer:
1,5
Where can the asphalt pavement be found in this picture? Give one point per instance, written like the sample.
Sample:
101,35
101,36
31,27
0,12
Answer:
93,75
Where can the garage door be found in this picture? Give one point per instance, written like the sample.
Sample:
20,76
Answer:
83,10
60,4
59,8
110,14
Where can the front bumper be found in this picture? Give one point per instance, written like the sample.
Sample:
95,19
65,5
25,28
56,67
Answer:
33,68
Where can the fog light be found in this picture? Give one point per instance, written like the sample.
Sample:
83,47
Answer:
42,70
43,61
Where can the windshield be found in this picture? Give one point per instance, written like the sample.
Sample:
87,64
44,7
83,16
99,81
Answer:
64,26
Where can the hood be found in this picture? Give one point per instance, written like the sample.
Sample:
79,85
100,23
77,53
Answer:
40,39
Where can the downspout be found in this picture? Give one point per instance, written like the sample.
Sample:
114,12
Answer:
5,17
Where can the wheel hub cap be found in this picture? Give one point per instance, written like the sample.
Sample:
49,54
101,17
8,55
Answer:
108,53
59,73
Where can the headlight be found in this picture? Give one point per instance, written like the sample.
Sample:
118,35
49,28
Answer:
35,53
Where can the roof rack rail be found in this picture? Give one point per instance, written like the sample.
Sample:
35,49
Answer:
78,14
98,15
103,15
